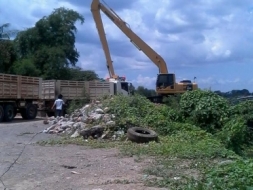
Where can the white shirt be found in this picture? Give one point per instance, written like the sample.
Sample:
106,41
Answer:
58,103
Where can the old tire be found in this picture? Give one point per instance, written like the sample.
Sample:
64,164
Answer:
141,135
1,113
9,112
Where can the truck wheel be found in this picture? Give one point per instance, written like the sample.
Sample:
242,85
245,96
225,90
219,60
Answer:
1,113
9,112
31,111
141,135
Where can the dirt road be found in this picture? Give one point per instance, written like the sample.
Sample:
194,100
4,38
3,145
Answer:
28,166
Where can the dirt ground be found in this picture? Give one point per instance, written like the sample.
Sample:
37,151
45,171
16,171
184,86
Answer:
25,165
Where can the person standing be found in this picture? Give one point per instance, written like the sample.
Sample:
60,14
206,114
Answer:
58,104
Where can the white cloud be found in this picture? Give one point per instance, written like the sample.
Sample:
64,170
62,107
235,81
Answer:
213,80
145,81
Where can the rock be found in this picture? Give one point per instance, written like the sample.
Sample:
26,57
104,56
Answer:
99,111
106,118
84,118
95,132
77,125
46,122
66,125
50,128
107,135
84,122
76,134
106,110
110,123
96,116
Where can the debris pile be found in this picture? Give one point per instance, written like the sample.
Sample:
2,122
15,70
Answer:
90,121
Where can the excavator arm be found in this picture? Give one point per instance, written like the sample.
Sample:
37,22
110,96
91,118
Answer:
99,24
96,6
166,82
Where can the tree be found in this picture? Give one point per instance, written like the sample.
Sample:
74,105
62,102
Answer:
7,52
7,55
50,45
144,91
82,75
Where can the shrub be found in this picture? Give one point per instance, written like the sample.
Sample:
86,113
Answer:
205,109
235,175
137,110
235,134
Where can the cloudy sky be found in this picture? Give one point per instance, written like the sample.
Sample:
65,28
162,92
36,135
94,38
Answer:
208,39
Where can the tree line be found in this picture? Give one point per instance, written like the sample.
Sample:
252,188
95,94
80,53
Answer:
46,50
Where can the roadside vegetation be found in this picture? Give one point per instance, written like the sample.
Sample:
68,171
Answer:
204,142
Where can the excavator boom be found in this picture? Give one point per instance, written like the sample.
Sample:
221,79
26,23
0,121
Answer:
96,6
166,82
99,24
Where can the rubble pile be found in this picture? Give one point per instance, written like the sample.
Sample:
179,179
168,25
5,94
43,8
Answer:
90,121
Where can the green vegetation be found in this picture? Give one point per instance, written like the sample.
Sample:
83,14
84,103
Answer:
204,142
200,128
46,50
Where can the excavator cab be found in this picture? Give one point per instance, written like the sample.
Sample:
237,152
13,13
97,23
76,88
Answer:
166,85
165,81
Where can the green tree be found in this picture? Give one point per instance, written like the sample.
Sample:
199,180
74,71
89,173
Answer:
49,45
7,55
145,92
82,75
7,51
25,67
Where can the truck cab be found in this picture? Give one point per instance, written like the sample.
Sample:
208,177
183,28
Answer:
120,86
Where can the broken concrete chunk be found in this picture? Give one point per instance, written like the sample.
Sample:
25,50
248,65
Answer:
76,134
91,121
99,111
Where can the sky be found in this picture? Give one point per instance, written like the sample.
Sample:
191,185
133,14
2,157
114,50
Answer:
211,40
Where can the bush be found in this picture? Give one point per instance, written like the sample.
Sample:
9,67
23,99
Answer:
205,109
235,134
137,110
235,175
244,109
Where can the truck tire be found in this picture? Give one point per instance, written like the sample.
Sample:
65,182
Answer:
1,113
9,112
30,112
141,135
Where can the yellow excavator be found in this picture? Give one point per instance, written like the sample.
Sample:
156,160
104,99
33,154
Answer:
166,82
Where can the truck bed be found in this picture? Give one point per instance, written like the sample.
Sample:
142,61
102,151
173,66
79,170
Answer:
14,87
74,89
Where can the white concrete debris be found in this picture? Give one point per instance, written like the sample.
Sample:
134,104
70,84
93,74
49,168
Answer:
89,121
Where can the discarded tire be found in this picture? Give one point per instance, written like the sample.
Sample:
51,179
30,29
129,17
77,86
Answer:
141,135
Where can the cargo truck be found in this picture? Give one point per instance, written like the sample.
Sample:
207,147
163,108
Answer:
72,90
19,94
30,95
